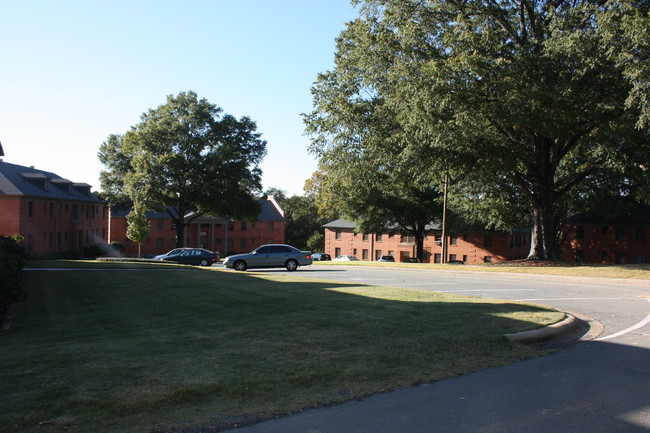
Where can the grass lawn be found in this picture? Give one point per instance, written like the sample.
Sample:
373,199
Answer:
119,347
641,271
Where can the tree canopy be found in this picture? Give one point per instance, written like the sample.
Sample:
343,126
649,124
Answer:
186,156
530,104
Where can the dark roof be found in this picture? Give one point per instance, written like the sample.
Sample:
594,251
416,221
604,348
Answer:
268,212
639,215
342,223
17,180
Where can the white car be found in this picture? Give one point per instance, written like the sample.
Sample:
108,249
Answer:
347,258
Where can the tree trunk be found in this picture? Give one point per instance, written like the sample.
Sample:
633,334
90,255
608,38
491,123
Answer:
419,246
180,232
544,240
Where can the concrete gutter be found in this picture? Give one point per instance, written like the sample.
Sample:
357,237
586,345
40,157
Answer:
574,327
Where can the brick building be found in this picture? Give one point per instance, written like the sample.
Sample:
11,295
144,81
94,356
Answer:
53,214
212,233
591,238
341,238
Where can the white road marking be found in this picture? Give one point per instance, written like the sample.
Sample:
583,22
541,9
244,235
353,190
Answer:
630,329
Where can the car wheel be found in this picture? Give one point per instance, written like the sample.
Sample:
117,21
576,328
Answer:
204,262
291,265
240,265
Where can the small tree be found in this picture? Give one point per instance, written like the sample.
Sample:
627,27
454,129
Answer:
138,227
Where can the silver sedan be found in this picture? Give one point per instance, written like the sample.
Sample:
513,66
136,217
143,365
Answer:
270,256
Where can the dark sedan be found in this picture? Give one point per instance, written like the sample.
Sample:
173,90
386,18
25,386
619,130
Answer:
321,257
194,256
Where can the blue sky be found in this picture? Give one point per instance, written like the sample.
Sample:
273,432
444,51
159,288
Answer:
73,72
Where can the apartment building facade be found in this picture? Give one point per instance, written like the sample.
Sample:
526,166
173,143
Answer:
591,238
493,247
53,214
213,233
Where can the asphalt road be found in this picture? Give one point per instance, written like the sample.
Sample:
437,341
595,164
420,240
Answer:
601,385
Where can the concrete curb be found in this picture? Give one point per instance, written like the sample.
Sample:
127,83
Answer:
573,327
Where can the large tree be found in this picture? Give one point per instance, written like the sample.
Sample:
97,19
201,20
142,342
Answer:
541,98
187,158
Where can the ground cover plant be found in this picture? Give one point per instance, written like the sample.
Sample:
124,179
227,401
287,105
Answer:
141,347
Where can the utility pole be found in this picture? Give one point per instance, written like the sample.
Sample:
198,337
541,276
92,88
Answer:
443,258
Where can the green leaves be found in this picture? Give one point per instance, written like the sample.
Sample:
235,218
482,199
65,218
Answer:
185,155
524,100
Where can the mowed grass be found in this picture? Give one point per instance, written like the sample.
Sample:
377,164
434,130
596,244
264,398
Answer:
640,271
148,347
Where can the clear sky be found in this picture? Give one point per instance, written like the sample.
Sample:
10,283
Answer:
73,72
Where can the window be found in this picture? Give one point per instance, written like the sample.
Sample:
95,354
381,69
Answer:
453,240
620,234
437,258
487,259
580,232
365,237
337,252
270,226
30,211
378,237
243,226
364,254
465,258
619,258
160,224
640,258
231,226
377,254
338,235
640,235
354,251
580,256
452,257
406,239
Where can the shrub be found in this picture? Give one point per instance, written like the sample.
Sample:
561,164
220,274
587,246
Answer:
12,260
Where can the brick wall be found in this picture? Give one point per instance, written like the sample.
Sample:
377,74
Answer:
470,248
53,226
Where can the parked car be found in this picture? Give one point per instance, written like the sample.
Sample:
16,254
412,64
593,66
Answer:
270,256
386,259
174,252
456,262
194,256
412,260
320,257
347,258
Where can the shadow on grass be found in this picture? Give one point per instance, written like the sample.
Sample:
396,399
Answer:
130,351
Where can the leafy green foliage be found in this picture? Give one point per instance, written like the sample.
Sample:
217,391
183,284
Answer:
186,155
533,103
138,227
